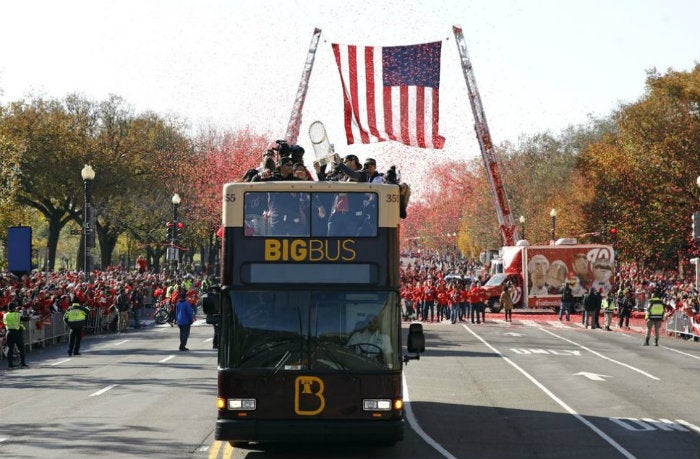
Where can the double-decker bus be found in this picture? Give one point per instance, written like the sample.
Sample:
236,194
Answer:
309,313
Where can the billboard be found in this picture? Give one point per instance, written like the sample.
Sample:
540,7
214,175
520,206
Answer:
19,249
547,268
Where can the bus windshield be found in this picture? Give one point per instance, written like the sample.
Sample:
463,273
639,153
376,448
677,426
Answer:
293,330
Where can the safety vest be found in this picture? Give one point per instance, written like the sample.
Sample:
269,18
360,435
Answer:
13,321
656,309
75,314
608,305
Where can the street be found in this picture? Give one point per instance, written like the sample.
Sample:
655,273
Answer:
534,388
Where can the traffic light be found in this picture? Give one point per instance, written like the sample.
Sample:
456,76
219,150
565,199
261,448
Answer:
169,231
178,230
613,235
696,226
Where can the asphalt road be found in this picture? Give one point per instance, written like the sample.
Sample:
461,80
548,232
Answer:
535,389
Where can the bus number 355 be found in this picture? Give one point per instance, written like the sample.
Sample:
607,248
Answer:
392,198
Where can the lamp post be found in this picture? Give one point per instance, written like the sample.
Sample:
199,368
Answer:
88,175
173,254
522,226
553,214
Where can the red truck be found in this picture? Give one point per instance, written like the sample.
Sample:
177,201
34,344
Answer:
538,273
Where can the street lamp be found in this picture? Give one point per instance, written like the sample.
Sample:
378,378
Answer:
522,226
88,175
176,202
553,214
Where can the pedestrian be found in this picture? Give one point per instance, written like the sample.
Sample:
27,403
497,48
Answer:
14,326
121,304
567,301
184,314
591,305
654,315
608,307
137,305
597,304
76,318
507,303
474,300
625,304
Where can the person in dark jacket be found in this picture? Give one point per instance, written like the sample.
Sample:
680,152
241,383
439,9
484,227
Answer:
592,304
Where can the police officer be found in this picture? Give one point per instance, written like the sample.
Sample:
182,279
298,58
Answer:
75,317
14,326
654,315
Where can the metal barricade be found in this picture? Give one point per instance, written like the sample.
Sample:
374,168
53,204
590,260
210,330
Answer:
682,325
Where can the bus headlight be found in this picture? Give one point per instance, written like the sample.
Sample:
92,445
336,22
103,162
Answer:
241,404
376,404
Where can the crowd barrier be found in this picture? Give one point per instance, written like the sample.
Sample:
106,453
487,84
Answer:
683,325
43,331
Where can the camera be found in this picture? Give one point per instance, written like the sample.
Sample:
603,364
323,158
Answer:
391,176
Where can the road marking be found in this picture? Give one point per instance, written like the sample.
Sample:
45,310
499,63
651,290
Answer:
208,339
603,356
214,451
681,352
119,343
560,402
3,439
167,358
592,376
60,362
524,351
648,424
102,391
512,334
413,422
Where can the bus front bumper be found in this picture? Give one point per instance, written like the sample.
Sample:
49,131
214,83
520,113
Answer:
317,431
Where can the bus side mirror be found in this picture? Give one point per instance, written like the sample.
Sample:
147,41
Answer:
415,343
210,303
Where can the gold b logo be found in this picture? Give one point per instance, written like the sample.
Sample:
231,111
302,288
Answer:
308,395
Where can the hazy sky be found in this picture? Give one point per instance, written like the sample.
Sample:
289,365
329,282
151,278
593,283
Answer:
539,65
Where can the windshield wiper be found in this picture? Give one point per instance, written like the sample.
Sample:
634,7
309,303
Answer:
323,346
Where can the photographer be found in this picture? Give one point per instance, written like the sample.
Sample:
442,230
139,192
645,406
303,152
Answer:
392,178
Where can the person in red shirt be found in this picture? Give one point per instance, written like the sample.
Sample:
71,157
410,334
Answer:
429,294
476,300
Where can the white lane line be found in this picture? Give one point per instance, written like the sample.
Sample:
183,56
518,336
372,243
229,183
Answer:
681,352
416,427
102,391
560,402
3,439
603,356
167,358
208,339
119,343
60,362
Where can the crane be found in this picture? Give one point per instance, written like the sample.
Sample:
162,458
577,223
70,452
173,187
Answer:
294,123
505,217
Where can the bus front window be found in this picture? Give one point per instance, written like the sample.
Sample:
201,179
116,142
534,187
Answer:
300,330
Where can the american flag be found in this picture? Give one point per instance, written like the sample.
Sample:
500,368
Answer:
391,93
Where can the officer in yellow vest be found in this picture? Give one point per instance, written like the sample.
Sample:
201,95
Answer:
76,318
14,326
654,315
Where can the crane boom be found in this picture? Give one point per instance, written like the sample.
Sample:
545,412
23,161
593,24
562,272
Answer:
505,217
294,124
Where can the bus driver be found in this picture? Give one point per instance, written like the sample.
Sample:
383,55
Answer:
369,340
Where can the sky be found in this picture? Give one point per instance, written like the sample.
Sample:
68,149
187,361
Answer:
540,65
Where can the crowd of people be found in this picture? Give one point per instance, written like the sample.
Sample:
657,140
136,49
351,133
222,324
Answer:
441,287
113,292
